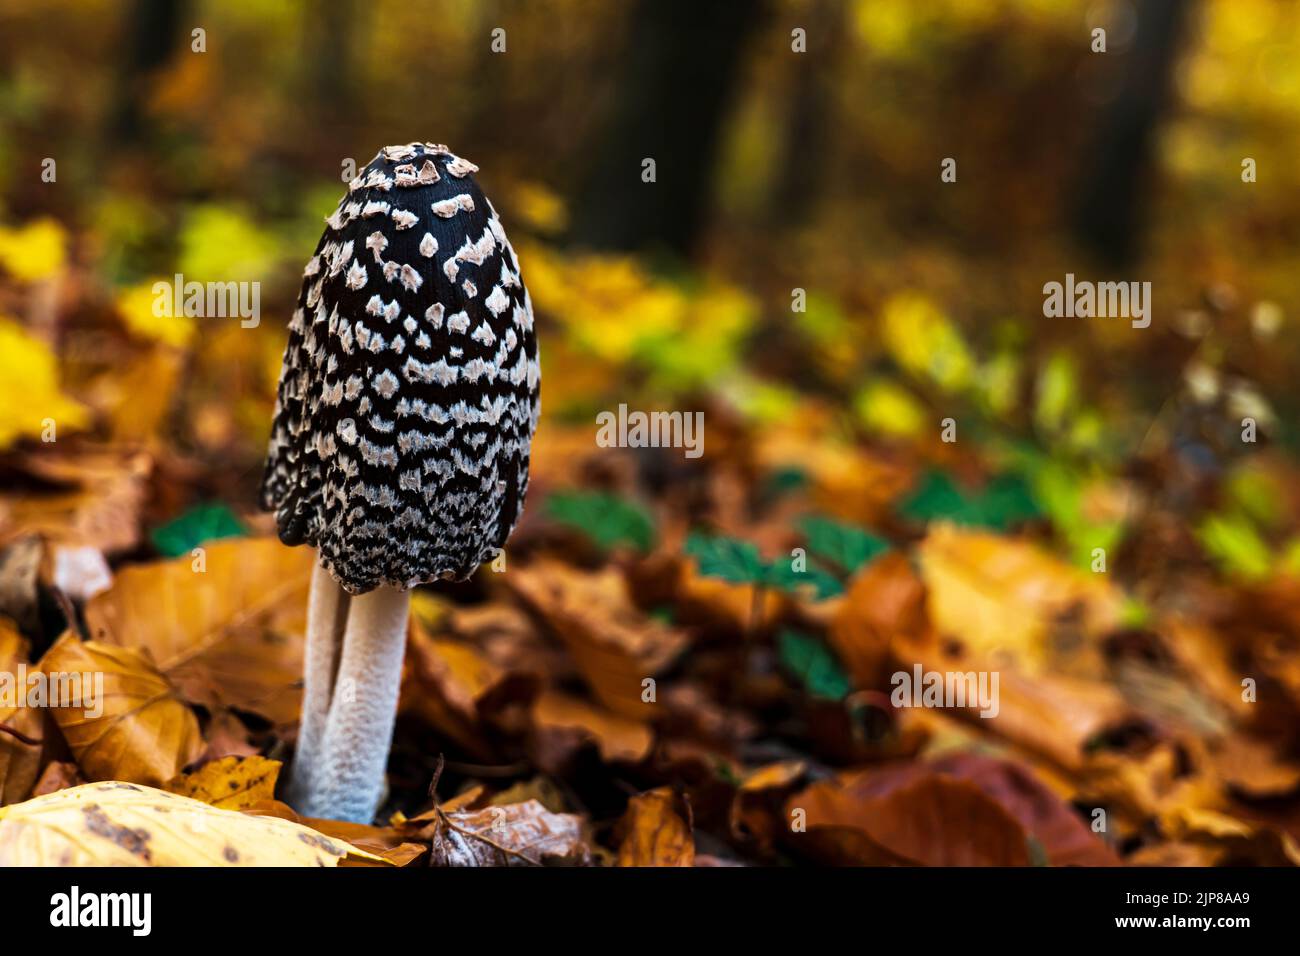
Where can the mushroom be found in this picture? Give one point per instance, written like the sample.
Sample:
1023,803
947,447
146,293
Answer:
403,423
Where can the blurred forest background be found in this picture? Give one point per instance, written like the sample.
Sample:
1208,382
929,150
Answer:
777,171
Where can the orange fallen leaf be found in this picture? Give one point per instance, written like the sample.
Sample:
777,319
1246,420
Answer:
614,644
225,627
133,727
655,831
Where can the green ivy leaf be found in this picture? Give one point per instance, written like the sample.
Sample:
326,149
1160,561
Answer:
813,663
1004,502
606,519
204,522
844,545
727,558
780,574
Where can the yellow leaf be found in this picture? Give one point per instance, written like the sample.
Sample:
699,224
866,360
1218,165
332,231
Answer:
232,783
125,824
34,251
923,341
29,388
147,311
1002,594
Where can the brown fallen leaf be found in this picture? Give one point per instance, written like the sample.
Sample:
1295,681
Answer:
135,728
519,834
566,721
124,824
655,831
934,820
614,644
232,783
229,635
886,599
756,812
21,726
57,775
93,498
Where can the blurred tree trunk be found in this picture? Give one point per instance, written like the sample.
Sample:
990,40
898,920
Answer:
801,169
329,26
680,68
1109,207
153,33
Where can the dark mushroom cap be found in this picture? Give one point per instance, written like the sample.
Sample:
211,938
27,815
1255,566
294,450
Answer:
409,392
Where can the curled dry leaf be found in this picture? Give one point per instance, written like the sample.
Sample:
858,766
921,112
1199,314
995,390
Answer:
20,750
226,626
655,831
520,834
232,783
614,644
124,824
134,727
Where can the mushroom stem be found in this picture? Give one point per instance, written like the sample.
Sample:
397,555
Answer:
349,780
327,611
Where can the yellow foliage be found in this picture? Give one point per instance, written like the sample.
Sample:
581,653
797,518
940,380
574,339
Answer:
29,387
889,408
34,251
138,306
612,308
924,342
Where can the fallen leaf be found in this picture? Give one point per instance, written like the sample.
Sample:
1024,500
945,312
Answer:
229,635
20,758
232,783
132,726
654,833
1004,595
617,738
519,834
934,820
124,824
613,643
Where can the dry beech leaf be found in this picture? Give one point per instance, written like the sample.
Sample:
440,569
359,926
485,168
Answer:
655,831
445,681
1000,594
520,834
95,500
884,600
232,783
935,820
145,732
124,824
617,738
227,636
614,644
19,758
386,846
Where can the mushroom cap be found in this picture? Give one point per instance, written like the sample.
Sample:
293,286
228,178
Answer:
408,396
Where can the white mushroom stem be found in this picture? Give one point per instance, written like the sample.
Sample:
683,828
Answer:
327,608
348,780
